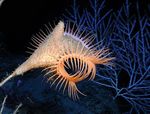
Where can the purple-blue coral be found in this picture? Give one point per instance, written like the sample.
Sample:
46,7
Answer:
128,37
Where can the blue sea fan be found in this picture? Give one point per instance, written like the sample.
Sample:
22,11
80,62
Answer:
129,38
131,45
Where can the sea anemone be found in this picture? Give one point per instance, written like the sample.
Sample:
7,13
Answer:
67,55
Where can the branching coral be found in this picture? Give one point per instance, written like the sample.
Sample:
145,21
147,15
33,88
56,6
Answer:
129,40
133,57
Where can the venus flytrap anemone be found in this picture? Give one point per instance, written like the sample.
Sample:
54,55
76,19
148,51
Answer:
67,56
